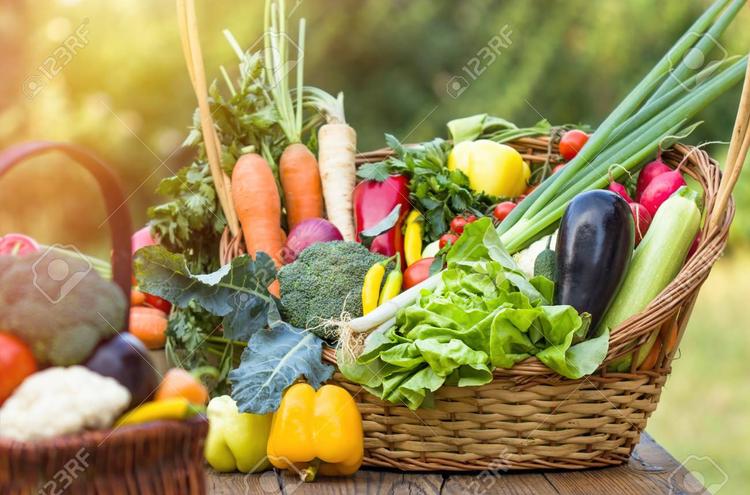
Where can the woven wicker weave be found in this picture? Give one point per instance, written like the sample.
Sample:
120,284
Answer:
530,417
159,458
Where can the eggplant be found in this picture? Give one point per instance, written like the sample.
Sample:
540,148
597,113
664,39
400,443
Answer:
593,251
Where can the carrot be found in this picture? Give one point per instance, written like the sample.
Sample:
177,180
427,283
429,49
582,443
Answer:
149,325
137,297
300,179
653,356
178,382
668,335
337,143
258,205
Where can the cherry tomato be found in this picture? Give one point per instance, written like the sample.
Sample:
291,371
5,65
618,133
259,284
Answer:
18,245
16,363
471,219
502,210
558,168
158,303
447,238
572,142
417,272
458,224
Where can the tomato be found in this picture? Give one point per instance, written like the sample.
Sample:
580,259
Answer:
417,272
158,303
471,219
16,363
18,245
448,238
458,224
558,168
528,191
572,142
502,210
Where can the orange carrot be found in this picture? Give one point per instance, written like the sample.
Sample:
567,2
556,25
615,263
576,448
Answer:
180,383
137,297
652,357
149,325
669,333
300,179
258,205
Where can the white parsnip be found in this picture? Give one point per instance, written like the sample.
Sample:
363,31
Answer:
337,145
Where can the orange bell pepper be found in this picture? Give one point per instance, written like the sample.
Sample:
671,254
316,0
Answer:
317,431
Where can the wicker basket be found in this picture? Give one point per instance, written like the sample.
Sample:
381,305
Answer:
530,417
155,458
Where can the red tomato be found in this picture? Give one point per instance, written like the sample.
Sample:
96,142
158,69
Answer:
158,303
448,238
528,191
417,272
18,245
502,210
557,168
16,363
458,224
471,219
572,142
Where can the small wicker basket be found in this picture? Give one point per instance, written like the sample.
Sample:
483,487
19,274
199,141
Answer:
159,458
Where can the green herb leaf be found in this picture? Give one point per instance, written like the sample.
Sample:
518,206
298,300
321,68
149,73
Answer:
377,172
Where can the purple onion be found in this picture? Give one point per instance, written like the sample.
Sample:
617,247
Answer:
307,233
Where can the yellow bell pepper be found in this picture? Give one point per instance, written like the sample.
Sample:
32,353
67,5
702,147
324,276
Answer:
314,431
492,168
236,441
413,238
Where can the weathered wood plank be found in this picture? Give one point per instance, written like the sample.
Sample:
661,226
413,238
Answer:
650,470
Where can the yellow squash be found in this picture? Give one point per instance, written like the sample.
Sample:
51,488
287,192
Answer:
317,431
492,168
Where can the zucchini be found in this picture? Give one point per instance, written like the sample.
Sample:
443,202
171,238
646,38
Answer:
656,262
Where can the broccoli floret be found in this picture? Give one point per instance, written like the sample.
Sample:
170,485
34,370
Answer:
59,305
323,283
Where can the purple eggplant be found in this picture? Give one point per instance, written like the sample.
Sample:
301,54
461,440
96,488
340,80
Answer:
594,247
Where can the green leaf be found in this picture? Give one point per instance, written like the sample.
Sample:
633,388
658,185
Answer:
238,292
273,360
377,172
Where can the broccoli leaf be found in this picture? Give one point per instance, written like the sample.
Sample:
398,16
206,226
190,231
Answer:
238,292
273,360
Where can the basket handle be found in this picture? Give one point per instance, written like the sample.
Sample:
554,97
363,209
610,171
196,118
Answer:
738,148
117,214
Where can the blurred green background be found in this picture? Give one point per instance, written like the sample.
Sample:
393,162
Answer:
125,93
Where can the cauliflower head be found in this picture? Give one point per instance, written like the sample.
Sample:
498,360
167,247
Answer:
61,401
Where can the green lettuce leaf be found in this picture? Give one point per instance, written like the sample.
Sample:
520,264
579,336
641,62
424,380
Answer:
485,314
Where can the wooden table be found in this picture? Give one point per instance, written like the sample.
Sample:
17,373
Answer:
651,471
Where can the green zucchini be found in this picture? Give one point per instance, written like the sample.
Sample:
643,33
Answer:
656,262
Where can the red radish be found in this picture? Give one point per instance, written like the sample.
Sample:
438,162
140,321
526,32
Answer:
618,188
18,245
642,219
694,245
649,173
141,238
659,189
